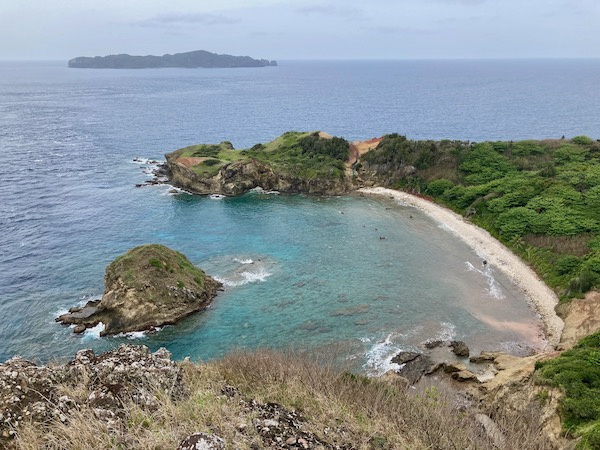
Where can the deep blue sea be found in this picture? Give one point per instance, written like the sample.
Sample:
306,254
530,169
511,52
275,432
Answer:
301,273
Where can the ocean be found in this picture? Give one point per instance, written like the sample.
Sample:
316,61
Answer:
300,273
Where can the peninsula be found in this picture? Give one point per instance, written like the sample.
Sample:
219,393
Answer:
191,60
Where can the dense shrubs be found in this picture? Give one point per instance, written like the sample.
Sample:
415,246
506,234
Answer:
541,198
577,373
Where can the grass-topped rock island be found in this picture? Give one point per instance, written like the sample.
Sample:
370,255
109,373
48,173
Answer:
147,287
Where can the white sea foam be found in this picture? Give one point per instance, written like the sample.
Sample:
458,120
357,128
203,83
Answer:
94,333
494,288
146,161
446,227
245,277
216,196
379,356
447,333
243,261
138,334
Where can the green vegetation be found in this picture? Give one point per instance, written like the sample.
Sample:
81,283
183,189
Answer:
540,198
172,267
212,157
294,153
577,373
304,154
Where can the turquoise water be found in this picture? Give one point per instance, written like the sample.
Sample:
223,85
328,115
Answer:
315,274
301,273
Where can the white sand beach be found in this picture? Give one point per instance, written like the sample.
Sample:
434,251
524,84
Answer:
540,297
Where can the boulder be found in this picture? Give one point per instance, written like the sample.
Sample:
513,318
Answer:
404,357
202,441
460,349
414,369
147,287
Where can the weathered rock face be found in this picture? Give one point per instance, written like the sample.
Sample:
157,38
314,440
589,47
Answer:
150,286
241,176
42,393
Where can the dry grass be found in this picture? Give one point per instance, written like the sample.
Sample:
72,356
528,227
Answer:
337,407
564,245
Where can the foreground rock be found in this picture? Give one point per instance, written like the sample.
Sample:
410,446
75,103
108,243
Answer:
148,287
45,394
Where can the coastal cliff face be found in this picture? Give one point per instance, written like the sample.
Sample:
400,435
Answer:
148,287
240,177
293,163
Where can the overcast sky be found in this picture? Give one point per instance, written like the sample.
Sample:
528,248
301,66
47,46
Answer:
301,29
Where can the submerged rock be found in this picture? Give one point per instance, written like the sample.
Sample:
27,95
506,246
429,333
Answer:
147,287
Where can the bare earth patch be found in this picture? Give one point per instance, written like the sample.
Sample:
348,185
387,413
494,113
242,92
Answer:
189,161
582,318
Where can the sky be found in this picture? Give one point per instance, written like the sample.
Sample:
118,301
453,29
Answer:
301,29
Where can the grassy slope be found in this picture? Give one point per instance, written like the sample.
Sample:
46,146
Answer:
144,265
300,154
225,397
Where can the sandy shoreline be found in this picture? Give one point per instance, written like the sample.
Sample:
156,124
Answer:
541,298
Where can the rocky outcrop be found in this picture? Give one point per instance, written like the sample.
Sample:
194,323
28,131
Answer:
460,349
148,287
46,394
241,176
202,441
581,317
415,365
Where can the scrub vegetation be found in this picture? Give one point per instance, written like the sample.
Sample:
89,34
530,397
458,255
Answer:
577,373
302,154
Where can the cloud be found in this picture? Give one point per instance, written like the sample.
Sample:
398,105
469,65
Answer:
462,2
398,30
348,13
182,19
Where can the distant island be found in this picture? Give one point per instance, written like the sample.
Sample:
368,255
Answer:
192,60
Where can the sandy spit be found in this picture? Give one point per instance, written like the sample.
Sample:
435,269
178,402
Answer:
540,297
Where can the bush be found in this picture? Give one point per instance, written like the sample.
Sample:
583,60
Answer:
577,373
567,264
438,187
516,221
582,140
482,164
